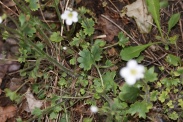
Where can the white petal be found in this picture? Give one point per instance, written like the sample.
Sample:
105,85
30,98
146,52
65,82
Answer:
68,21
65,14
124,72
132,63
74,19
130,80
1,20
75,14
94,109
141,68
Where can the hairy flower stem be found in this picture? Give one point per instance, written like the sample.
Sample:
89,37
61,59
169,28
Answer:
50,59
110,101
39,51
147,94
101,79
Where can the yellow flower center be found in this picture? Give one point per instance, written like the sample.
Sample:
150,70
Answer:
70,15
133,71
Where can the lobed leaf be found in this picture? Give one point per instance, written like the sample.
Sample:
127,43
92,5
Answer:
150,75
85,60
129,93
141,108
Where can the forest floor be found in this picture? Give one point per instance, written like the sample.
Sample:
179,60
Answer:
34,86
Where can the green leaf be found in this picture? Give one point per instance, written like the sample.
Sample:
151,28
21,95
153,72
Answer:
118,104
37,112
88,25
154,95
72,61
87,120
129,93
173,39
19,119
141,108
96,53
173,60
180,103
163,96
108,63
99,42
85,60
122,39
150,75
109,81
53,115
163,3
173,115
178,72
33,4
173,21
55,37
82,91
170,104
154,9
168,82
29,31
133,51
12,95
22,19
80,38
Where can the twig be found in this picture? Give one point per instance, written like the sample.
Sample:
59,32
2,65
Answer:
8,8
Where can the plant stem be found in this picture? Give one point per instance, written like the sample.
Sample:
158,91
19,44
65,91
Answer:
107,99
58,12
101,79
50,59
47,40
147,94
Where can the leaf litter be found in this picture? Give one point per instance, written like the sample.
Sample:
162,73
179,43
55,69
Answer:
138,11
7,112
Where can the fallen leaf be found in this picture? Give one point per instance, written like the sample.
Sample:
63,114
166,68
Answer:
7,112
112,52
138,10
32,102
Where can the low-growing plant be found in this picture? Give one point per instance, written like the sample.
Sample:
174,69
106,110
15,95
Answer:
87,78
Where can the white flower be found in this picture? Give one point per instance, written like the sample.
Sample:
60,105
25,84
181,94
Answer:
70,16
132,72
94,109
64,48
1,19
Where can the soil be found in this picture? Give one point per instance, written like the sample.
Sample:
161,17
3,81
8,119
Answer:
153,56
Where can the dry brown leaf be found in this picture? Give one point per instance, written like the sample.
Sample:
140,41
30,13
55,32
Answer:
138,10
32,102
7,112
112,52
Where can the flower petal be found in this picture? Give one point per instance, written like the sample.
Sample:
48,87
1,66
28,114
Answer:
130,80
65,14
1,19
124,72
74,19
68,21
132,63
75,14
